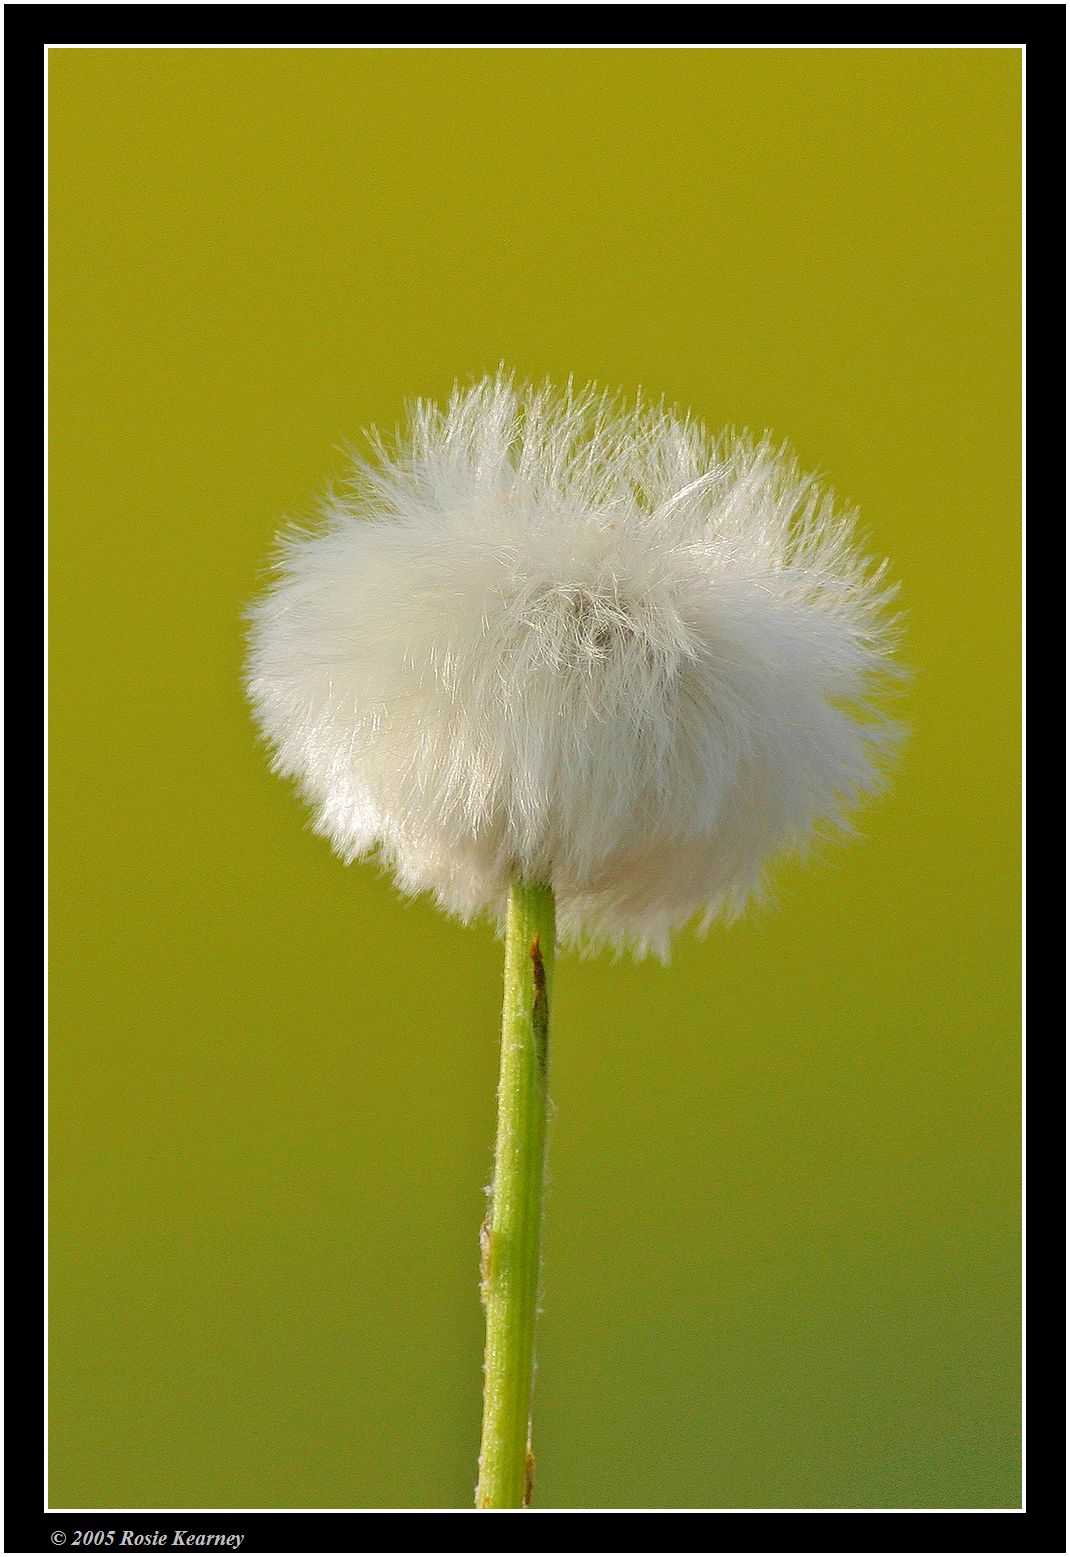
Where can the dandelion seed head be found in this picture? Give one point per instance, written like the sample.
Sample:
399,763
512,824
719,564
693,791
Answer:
553,635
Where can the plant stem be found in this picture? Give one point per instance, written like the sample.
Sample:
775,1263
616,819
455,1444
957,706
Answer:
511,1233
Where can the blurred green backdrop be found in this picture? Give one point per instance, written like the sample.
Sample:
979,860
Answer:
782,1247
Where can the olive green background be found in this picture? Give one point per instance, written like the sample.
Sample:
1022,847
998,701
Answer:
782,1248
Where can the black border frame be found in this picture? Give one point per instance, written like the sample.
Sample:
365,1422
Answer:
1040,1527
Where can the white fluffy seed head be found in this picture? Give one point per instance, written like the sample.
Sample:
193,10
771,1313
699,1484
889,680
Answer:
552,635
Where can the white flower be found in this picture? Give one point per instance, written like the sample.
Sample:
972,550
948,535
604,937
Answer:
557,636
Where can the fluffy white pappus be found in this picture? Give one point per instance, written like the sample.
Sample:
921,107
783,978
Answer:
557,636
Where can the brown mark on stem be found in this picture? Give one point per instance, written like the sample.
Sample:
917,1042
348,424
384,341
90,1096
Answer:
540,1007
529,1476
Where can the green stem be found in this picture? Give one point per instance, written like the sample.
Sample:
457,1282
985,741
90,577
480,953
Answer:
511,1234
